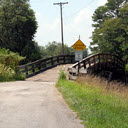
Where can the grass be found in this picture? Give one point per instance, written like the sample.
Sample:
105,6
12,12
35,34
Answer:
97,104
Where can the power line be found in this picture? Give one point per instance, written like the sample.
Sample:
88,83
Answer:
69,17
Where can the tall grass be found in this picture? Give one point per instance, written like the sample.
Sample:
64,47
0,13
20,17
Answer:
113,87
98,104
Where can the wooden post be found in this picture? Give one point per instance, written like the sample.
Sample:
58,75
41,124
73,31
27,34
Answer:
57,59
33,68
45,64
26,70
84,64
94,60
71,57
78,67
64,59
89,62
39,67
52,61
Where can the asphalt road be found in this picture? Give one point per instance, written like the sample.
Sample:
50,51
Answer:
35,103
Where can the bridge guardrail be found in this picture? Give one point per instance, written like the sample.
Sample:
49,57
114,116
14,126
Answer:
96,61
41,65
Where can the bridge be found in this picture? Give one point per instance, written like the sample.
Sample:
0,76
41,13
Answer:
41,65
108,65
36,102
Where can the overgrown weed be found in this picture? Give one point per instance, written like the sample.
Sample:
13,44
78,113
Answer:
62,73
112,87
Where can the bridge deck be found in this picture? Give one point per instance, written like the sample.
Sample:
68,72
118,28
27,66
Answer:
50,75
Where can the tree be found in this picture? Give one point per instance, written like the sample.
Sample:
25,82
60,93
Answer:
32,52
17,26
85,53
111,32
54,48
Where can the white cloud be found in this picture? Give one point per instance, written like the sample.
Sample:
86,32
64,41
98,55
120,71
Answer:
102,2
47,32
80,25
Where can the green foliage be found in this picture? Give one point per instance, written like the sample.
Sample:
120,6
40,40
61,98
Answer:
6,72
126,67
10,59
17,28
62,73
18,76
97,108
54,49
31,52
8,65
111,32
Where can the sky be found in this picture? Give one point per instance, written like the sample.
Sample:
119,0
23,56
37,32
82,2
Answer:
77,20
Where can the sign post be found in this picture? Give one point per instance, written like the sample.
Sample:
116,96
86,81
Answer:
79,46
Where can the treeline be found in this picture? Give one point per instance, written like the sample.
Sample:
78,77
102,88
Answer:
110,33
54,48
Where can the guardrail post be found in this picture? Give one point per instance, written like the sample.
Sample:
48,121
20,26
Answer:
39,67
84,64
78,67
33,68
94,62
57,59
52,61
64,59
26,70
89,62
71,58
44,64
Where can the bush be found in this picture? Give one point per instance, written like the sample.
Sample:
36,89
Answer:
8,66
10,59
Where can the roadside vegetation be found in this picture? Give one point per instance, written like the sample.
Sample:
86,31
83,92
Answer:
98,104
8,66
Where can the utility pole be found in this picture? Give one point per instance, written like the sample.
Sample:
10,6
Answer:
61,4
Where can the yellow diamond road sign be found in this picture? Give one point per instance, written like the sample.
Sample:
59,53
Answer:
79,45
